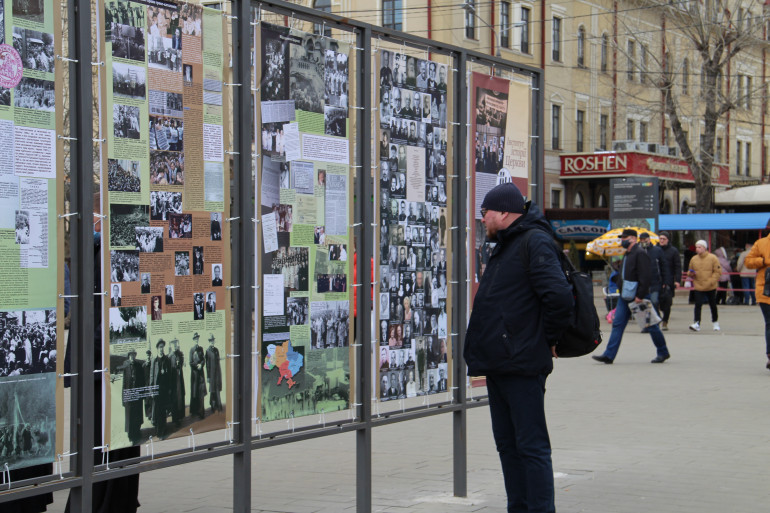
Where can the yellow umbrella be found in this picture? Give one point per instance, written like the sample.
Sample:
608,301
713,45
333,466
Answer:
608,244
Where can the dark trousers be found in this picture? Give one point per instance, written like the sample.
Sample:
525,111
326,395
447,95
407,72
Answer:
766,313
517,407
666,300
707,296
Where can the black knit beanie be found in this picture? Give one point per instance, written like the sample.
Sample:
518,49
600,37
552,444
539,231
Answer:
505,197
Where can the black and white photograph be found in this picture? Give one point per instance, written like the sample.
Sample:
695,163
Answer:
124,13
125,121
335,121
123,222
180,226
163,103
187,73
166,167
156,308
273,141
5,95
146,283
129,81
197,260
181,263
297,311
275,65
292,263
216,226
216,275
35,48
116,295
169,294
34,93
166,134
128,324
27,342
336,78
28,431
211,302
198,306
164,203
166,53
284,218
22,224
30,10
329,324
149,239
124,265
124,175
306,81
127,42
190,18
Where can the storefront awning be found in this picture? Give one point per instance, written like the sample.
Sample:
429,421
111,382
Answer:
743,221
753,195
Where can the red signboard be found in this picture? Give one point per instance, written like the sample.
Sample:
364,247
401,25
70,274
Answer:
625,163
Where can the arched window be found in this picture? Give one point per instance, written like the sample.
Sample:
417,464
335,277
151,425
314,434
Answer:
605,51
578,202
601,201
581,47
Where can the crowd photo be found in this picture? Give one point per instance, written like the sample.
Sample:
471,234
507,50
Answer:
35,49
33,93
127,42
123,175
27,342
124,265
166,168
149,239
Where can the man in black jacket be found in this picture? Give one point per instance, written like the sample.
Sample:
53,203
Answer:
635,267
658,273
518,314
672,262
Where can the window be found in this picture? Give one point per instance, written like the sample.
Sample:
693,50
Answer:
748,91
630,132
643,63
601,201
580,123
555,198
325,6
739,89
579,202
556,39
505,24
525,30
605,51
631,57
747,168
718,157
555,126
392,11
603,131
581,48
667,137
685,76
738,157
642,131
470,19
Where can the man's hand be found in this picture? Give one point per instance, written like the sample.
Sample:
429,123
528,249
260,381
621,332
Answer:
553,352
638,300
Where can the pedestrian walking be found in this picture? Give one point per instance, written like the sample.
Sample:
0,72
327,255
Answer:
672,263
748,277
635,268
657,274
705,271
512,332
759,259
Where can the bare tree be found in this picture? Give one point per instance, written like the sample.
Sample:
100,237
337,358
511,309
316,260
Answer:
717,34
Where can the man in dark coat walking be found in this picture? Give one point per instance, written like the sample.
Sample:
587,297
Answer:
672,262
518,314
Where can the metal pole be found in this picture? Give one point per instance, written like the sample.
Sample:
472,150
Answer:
365,215
538,190
460,268
82,249
243,244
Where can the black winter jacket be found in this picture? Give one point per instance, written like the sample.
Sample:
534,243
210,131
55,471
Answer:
658,273
517,315
673,265
637,268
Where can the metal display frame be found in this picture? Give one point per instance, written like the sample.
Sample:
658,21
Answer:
84,472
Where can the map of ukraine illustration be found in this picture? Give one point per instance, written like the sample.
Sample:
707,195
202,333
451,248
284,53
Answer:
286,359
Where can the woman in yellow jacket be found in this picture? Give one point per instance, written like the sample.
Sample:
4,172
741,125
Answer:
759,259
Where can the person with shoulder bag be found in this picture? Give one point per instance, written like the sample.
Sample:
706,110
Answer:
759,259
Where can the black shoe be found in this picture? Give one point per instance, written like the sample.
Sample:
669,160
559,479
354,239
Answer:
660,359
603,359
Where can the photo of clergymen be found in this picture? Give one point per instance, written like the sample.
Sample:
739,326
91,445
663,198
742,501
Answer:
124,13
22,226
198,307
169,294
180,226
123,175
181,263
123,222
31,10
27,342
216,275
164,386
125,121
129,81
127,42
35,49
33,93
146,283
292,263
336,79
197,259
297,310
329,324
211,302
124,266
216,226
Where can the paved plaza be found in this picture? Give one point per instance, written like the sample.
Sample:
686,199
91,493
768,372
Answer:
690,435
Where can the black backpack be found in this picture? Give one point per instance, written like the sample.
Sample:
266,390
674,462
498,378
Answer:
584,335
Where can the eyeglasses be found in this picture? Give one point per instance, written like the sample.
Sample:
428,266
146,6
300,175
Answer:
484,212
